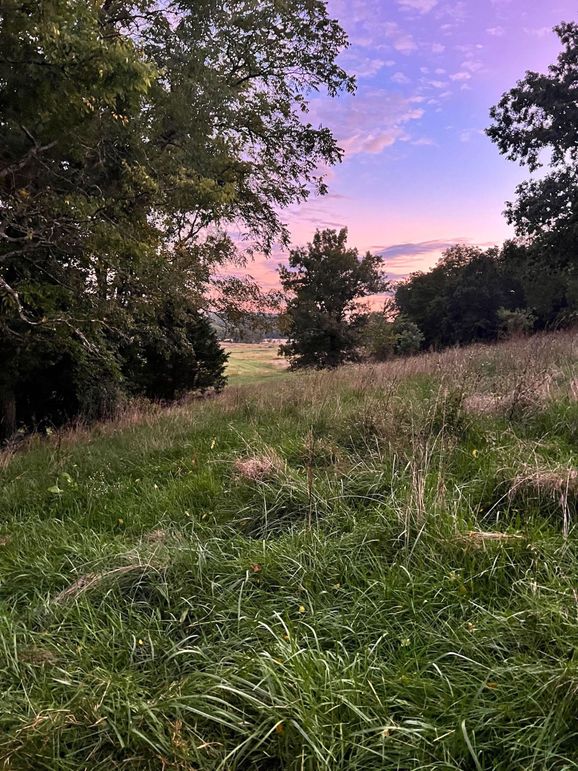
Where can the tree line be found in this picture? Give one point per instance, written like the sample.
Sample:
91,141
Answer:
528,284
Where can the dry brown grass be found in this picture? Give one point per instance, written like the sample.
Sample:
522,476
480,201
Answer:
157,536
258,467
89,581
479,538
483,404
38,656
548,480
527,394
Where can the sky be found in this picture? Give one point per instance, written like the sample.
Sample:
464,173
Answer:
419,174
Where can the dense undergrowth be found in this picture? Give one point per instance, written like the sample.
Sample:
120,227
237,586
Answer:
375,568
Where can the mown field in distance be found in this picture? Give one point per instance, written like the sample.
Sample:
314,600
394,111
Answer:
252,362
373,568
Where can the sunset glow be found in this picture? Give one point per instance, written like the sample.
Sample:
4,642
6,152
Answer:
418,172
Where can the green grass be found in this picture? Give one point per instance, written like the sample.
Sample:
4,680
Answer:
286,576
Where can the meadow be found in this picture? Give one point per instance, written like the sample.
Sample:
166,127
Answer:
371,568
253,362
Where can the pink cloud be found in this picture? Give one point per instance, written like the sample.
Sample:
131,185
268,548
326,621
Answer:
405,44
369,122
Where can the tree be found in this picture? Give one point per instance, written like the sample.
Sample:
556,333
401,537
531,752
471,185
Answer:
131,134
550,292
324,283
534,121
174,353
515,323
458,301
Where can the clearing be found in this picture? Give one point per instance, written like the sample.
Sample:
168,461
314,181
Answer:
252,362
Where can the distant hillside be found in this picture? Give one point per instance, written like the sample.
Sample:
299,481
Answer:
254,329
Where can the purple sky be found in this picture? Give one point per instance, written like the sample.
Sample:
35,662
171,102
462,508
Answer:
419,174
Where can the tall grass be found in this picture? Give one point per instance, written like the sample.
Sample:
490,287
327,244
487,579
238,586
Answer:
372,568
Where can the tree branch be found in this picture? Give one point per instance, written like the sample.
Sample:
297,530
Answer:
15,166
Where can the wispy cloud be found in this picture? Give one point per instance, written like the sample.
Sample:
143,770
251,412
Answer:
403,259
422,6
361,65
370,121
466,135
538,31
405,44
412,249
461,76
427,71
400,78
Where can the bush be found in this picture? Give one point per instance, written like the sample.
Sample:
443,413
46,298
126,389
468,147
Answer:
518,322
385,339
379,337
408,338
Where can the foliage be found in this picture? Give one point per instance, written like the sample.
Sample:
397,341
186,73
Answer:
458,300
384,338
324,283
130,135
173,353
536,122
378,337
381,597
538,115
530,283
515,323
408,337
242,310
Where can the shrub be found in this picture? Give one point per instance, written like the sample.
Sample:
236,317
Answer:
408,338
518,322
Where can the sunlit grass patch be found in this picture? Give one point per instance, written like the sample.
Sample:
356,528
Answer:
252,362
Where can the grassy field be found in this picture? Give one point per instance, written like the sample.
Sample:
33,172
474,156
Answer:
252,362
375,568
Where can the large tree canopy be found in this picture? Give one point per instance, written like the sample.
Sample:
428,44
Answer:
536,123
131,135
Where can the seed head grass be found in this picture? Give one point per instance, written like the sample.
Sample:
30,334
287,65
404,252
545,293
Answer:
330,570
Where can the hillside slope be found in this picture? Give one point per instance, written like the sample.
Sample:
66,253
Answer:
375,568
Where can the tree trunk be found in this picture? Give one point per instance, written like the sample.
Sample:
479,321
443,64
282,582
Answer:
7,413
